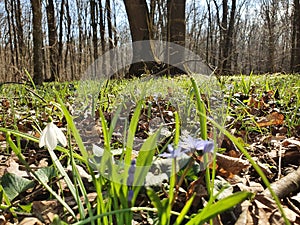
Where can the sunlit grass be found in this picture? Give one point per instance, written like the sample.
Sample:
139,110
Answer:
188,95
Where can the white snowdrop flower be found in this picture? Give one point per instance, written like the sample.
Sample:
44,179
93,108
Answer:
50,137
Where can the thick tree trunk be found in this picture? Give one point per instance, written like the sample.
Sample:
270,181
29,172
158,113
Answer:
143,57
37,42
52,38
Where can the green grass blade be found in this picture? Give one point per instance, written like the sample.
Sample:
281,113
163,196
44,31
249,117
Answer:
30,78
201,110
73,128
177,129
131,132
185,210
211,210
114,121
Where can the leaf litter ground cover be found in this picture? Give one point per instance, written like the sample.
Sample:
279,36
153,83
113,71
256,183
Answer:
262,112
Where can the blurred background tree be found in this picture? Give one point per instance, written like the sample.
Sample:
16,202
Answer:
58,39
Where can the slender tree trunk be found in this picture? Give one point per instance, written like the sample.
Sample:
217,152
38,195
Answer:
80,31
10,35
152,13
296,64
102,27
223,32
60,38
109,24
94,27
15,34
52,39
227,50
269,16
116,36
69,45
37,41
20,34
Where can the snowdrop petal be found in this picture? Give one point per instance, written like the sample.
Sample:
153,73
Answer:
42,140
60,136
42,137
51,139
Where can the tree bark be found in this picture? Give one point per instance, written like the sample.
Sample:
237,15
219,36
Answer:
80,38
176,34
109,24
20,34
37,41
60,38
227,50
143,57
52,39
94,27
270,11
10,36
102,27
295,61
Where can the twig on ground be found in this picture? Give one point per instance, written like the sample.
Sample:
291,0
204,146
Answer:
286,185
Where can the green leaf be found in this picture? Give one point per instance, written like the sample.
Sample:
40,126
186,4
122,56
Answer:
14,185
211,210
46,173
26,208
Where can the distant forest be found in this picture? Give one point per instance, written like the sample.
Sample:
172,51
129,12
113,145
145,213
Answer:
56,40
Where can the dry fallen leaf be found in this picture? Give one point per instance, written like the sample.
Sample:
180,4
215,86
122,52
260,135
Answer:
288,141
274,118
46,209
229,166
14,168
30,221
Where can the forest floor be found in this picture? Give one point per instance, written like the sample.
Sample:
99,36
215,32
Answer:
262,113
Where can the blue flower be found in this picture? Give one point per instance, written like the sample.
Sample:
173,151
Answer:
173,153
131,172
130,195
193,144
206,146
